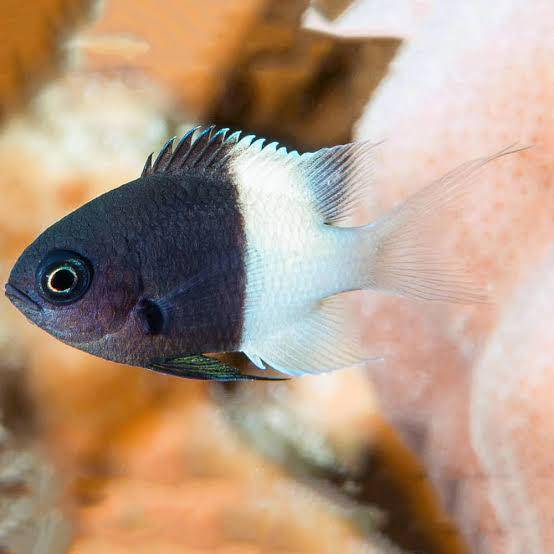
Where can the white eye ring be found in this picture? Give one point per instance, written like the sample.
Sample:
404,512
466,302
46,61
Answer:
61,284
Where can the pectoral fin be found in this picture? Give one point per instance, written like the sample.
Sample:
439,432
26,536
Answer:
205,368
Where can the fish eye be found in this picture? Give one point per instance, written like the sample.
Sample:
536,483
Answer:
63,276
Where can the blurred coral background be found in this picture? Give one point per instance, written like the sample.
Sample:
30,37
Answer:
447,445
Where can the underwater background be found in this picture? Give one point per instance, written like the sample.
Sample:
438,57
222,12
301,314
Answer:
445,447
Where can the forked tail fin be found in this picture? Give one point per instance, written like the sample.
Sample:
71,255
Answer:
402,244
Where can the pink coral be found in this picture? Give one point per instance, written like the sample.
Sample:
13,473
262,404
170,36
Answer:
475,76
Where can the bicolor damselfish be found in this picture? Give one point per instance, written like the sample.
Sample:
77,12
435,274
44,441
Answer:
228,244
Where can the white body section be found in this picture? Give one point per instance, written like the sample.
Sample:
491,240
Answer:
294,259
298,260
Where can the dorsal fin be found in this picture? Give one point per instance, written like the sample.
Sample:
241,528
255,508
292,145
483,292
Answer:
202,150
338,177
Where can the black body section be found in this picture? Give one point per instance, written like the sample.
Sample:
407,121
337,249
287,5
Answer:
189,240
167,258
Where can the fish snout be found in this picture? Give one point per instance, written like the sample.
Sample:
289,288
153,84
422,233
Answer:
20,299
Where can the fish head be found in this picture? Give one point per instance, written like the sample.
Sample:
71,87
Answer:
79,281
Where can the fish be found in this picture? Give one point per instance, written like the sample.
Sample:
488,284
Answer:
229,244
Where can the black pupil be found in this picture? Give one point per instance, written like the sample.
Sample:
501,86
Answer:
63,280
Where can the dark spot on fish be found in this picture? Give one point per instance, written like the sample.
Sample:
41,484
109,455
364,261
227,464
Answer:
151,316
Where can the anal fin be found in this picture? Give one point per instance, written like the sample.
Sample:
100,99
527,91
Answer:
321,341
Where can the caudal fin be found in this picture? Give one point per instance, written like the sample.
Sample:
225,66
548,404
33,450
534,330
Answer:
402,245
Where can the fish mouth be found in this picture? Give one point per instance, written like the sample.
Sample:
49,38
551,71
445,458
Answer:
20,298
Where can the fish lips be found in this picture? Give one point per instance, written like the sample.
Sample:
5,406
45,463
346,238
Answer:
22,301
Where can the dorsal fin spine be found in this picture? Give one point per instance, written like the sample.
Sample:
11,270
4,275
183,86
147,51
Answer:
232,140
164,156
184,146
181,144
147,169
199,145
218,138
